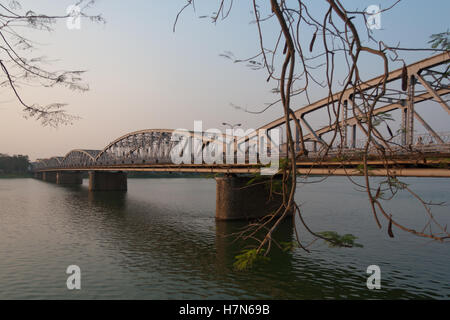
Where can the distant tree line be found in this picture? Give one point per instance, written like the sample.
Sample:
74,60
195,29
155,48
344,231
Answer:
16,164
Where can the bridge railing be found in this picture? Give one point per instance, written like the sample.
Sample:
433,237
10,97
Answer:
144,156
424,143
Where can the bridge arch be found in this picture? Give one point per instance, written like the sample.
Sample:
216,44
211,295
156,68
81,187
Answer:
150,146
139,147
53,162
79,158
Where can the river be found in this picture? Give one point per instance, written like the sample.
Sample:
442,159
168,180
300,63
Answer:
160,240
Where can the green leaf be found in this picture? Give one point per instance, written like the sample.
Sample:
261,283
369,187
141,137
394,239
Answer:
440,40
248,258
334,240
288,246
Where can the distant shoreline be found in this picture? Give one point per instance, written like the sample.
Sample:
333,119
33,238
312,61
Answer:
15,175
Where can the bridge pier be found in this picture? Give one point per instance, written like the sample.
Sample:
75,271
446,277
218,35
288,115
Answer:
107,181
228,245
69,177
235,200
49,176
38,175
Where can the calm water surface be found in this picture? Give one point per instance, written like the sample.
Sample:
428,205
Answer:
160,241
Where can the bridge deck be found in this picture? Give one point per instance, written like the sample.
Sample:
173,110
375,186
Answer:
437,165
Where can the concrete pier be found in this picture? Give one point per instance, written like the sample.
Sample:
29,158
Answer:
38,175
49,176
229,245
107,181
69,177
235,200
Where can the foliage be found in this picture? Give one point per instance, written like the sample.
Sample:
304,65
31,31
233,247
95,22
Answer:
440,40
256,177
333,239
381,117
360,169
395,183
17,164
288,246
248,258
19,67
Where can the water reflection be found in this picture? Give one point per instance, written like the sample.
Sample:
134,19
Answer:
229,243
111,200
151,243
201,254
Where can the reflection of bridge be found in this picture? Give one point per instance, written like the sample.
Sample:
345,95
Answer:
404,152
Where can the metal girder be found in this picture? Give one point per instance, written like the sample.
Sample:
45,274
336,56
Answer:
78,156
429,129
393,75
375,131
342,97
148,146
311,130
382,109
435,95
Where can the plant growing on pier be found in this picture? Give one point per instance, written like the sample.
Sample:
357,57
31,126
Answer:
305,54
20,67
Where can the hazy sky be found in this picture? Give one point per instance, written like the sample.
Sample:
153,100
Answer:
142,75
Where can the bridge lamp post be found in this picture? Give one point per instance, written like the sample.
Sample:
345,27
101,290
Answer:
232,126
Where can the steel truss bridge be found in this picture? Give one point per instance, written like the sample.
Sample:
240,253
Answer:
406,153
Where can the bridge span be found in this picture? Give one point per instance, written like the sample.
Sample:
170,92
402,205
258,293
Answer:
404,151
